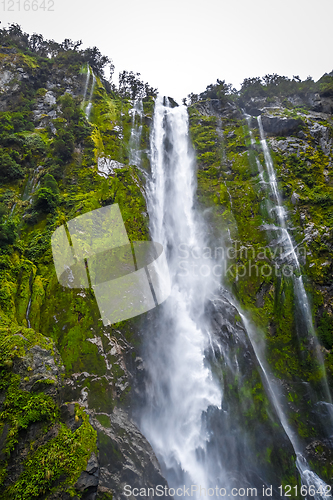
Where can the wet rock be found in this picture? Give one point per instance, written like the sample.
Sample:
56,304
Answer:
321,451
315,102
6,77
214,107
5,50
280,126
43,108
89,479
107,166
125,456
223,320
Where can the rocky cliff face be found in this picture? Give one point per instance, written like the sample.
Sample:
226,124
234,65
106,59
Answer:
232,180
65,429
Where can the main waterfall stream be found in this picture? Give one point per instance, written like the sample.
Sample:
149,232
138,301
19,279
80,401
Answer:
196,349
182,386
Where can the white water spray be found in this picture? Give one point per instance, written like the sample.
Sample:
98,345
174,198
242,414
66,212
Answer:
308,477
86,85
89,105
136,131
182,387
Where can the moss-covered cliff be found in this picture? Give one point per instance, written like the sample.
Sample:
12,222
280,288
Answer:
233,182
63,374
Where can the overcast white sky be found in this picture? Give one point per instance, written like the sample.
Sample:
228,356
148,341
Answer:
181,46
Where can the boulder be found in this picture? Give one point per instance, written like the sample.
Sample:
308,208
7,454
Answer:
281,126
125,457
294,198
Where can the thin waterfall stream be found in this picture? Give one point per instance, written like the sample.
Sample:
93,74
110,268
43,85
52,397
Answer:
290,254
197,439
136,132
89,105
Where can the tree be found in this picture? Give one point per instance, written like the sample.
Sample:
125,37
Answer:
46,200
132,87
96,60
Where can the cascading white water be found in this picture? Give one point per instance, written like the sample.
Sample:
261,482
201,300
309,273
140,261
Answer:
291,254
260,169
182,387
86,85
31,185
136,131
89,105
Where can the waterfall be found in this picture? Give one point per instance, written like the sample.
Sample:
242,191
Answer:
28,313
259,167
89,105
290,254
12,210
86,85
308,477
182,387
136,131
31,185
197,433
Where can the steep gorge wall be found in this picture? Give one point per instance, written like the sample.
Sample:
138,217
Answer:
64,401
300,136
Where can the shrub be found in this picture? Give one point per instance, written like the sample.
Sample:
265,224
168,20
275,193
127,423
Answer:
46,199
63,145
8,233
35,144
9,169
50,183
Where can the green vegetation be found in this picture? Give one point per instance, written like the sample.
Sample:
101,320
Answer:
49,165
229,183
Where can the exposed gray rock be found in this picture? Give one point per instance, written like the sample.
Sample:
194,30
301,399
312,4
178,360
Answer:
126,457
255,106
214,107
321,134
290,145
43,108
39,371
280,126
6,77
294,198
89,479
106,166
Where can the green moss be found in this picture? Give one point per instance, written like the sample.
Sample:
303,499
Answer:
61,459
103,420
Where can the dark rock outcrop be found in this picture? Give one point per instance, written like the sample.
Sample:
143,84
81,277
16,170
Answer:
280,126
125,456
